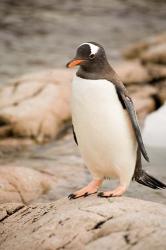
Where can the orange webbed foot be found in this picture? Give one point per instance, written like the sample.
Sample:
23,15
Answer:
120,190
90,189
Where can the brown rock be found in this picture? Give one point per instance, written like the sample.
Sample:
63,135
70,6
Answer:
144,107
135,51
91,223
161,86
155,54
143,98
10,145
20,184
142,91
156,71
36,105
132,72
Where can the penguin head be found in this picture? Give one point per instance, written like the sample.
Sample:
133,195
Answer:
88,56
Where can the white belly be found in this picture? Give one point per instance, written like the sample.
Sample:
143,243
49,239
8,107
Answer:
105,136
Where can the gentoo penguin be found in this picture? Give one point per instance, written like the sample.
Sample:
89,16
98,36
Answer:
105,125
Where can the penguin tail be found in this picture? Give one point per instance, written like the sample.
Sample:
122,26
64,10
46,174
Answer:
149,181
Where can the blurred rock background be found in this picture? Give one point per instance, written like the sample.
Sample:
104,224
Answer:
37,38
41,34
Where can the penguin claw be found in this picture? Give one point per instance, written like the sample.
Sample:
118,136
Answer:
102,195
86,194
74,196
113,193
90,189
71,196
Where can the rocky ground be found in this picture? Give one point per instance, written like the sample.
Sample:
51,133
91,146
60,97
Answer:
59,170
118,223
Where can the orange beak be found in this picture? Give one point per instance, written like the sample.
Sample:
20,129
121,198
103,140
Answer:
74,62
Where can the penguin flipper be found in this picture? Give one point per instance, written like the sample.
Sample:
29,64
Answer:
143,178
128,103
74,135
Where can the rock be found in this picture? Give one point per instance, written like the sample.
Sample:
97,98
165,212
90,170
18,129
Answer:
85,223
35,105
161,86
21,100
58,164
144,107
10,145
61,162
136,50
156,71
142,91
144,99
155,54
148,68
20,184
132,72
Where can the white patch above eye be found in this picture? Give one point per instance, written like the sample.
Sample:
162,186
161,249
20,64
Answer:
93,48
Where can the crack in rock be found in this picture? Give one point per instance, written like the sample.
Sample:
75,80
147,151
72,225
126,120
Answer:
67,243
89,211
100,223
11,212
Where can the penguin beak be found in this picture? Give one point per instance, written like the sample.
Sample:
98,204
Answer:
74,62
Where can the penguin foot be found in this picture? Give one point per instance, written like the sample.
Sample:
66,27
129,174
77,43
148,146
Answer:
76,196
91,188
114,193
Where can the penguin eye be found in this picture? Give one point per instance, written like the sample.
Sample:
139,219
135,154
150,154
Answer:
91,56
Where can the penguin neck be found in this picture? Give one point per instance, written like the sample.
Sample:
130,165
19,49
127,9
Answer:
94,71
